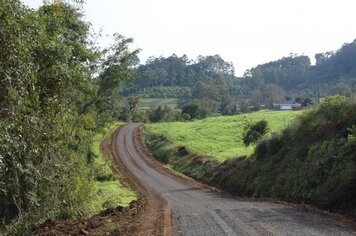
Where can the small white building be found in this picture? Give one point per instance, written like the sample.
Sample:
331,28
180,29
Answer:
287,106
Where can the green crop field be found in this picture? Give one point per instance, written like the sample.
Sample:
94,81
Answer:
220,137
147,103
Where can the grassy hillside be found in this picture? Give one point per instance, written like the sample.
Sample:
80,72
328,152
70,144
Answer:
147,103
312,161
219,137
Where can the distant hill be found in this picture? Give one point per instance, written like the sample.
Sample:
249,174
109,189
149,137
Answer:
210,80
334,73
177,76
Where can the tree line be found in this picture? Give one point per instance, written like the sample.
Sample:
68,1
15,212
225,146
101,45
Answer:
209,81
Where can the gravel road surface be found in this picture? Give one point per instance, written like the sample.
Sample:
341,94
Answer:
199,211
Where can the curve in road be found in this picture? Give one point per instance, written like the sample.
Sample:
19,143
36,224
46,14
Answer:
199,211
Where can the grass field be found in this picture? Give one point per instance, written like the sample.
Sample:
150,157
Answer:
147,103
109,193
219,137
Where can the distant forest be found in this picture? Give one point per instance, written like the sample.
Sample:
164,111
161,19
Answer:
210,80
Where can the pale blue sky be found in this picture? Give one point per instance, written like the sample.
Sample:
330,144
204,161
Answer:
245,32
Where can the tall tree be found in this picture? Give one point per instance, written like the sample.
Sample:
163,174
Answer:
55,86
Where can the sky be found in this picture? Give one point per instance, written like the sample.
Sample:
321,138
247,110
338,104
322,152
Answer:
244,32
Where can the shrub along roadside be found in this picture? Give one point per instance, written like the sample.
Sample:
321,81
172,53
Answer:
57,89
313,161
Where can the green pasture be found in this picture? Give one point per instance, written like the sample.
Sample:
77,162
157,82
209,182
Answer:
147,103
220,137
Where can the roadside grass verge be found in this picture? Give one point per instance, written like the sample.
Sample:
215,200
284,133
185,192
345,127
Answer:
109,192
219,137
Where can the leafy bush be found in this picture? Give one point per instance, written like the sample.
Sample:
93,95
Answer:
254,131
194,111
56,90
164,114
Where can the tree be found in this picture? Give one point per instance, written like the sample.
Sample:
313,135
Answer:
227,106
178,72
287,72
272,93
164,114
55,88
116,69
133,103
215,64
194,111
130,110
254,131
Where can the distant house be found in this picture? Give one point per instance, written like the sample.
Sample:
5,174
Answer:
287,106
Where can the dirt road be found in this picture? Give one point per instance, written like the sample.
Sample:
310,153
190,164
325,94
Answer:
197,210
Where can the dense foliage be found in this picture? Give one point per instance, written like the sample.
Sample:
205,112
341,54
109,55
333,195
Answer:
180,72
203,82
254,132
334,73
287,72
56,89
164,114
335,65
